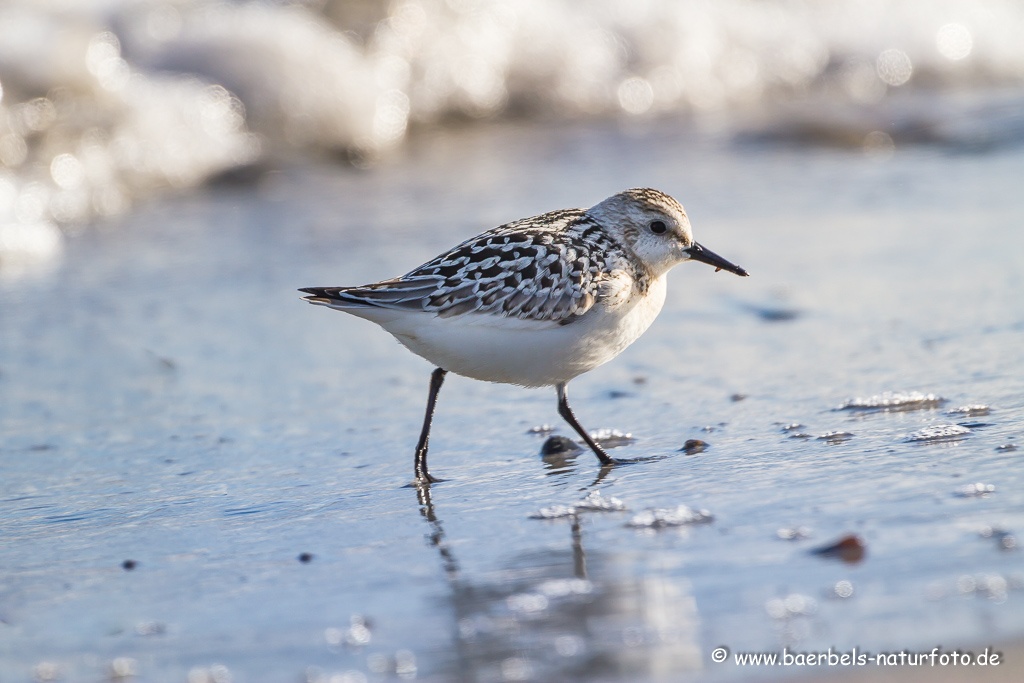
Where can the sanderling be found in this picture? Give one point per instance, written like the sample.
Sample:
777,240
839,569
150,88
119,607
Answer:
535,302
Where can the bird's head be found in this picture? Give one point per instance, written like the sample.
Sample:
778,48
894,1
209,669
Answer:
655,227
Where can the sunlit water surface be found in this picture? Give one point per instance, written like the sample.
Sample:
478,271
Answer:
166,399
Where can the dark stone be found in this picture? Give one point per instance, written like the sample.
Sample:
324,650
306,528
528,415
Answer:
556,445
778,315
694,446
849,548
129,565
306,558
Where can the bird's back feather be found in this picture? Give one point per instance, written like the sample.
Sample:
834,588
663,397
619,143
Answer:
550,268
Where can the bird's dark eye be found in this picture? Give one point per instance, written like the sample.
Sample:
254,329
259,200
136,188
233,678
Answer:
658,227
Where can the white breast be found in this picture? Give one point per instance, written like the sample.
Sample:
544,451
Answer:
530,352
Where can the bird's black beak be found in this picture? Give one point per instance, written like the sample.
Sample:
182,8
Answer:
699,253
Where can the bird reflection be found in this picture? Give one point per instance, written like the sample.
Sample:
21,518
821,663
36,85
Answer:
579,557
436,537
565,614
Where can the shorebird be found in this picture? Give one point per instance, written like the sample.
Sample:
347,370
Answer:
535,302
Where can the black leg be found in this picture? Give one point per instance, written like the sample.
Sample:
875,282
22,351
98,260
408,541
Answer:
420,461
566,412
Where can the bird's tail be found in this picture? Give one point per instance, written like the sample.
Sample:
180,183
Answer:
328,296
392,294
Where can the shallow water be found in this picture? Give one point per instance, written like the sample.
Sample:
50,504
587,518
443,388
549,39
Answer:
166,398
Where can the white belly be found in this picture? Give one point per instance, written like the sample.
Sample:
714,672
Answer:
527,352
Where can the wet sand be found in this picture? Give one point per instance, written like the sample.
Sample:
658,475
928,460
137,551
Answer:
166,399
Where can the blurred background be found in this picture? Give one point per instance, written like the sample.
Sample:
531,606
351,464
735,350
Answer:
106,102
203,476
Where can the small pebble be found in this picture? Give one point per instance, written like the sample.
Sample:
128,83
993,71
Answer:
557,445
1007,447
129,565
736,398
306,558
776,315
789,426
800,435
694,446
849,548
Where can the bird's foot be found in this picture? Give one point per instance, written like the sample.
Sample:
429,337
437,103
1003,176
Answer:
423,481
608,466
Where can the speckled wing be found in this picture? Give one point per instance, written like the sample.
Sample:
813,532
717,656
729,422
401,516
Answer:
547,268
